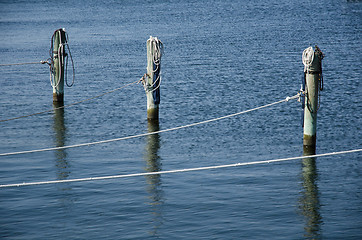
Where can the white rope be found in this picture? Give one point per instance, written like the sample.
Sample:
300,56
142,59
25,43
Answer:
26,63
14,64
157,48
177,170
307,58
150,88
150,133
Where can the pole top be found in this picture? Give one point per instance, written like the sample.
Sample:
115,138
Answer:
312,59
153,39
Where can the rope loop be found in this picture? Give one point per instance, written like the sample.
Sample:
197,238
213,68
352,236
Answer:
153,85
157,46
62,55
308,57
154,80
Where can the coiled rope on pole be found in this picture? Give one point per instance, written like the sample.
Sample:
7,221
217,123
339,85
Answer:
157,46
152,133
61,55
153,85
308,56
72,104
177,170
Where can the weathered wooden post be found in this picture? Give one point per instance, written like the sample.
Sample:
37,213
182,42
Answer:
153,78
312,60
58,43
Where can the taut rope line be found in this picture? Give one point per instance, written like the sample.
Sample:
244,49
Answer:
25,63
177,170
151,133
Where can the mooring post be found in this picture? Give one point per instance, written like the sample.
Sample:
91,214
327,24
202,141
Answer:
312,60
153,78
58,41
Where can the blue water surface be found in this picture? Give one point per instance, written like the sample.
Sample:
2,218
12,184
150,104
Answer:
220,57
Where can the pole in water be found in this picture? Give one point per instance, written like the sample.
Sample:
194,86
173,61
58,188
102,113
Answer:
58,43
312,60
153,78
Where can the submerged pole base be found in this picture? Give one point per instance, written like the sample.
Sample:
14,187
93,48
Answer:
309,144
309,150
58,97
152,113
153,125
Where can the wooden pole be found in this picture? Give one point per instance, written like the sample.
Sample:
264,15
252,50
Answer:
312,60
58,58
153,79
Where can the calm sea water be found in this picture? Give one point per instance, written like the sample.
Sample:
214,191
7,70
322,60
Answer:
220,57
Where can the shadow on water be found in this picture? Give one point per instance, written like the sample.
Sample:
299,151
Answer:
154,184
62,164
309,201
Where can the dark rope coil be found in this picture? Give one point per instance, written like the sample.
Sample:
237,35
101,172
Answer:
320,55
62,54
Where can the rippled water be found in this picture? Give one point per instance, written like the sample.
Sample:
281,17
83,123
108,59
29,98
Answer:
221,57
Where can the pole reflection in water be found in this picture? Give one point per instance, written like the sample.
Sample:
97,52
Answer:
59,140
154,184
309,200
